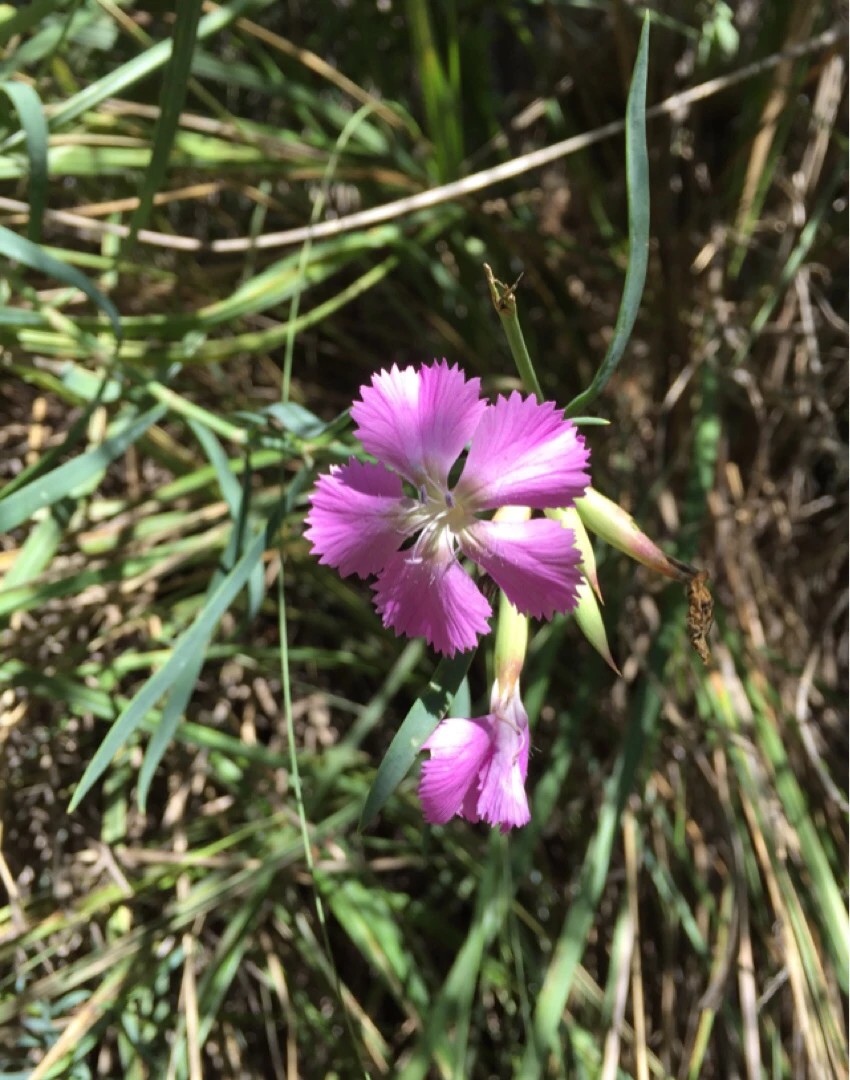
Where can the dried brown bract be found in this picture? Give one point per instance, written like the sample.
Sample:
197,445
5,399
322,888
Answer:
700,614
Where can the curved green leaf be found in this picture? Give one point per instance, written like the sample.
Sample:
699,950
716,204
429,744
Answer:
172,713
14,22
637,185
36,258
31,114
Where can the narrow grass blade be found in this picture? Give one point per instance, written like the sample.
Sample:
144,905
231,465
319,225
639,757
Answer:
190,644
29,254
441,105
637,182
226,962
40,546
172,714
369,918
171,98
75,433
47,36
129,74
55,1062
236,497
47,490
572,941
823,890
257,580
452,1006
31,114
230,487
423,717
18,22
808,234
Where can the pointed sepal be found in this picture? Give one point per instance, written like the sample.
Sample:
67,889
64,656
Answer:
589,619
619,529
570,519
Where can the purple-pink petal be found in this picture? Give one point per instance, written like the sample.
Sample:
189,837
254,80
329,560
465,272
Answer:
535,563
432,598
418,420
477,769
503,800
449,779
524,453
354,517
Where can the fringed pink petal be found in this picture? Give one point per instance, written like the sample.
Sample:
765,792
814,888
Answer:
534,562
355,518
477,767
418,420
503,801
524,453
449,778
434,599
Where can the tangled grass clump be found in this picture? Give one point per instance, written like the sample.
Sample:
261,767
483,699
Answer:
677,905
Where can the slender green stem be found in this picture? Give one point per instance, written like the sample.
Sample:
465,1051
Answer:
304,259
504,301
511,638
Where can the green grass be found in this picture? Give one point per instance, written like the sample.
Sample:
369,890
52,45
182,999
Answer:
204,902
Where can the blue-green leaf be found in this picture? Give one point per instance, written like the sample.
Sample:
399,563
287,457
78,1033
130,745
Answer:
295,418
423,717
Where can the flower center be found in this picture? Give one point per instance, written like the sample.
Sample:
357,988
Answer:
438,519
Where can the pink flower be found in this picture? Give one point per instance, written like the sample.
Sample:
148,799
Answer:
405,521
478,767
